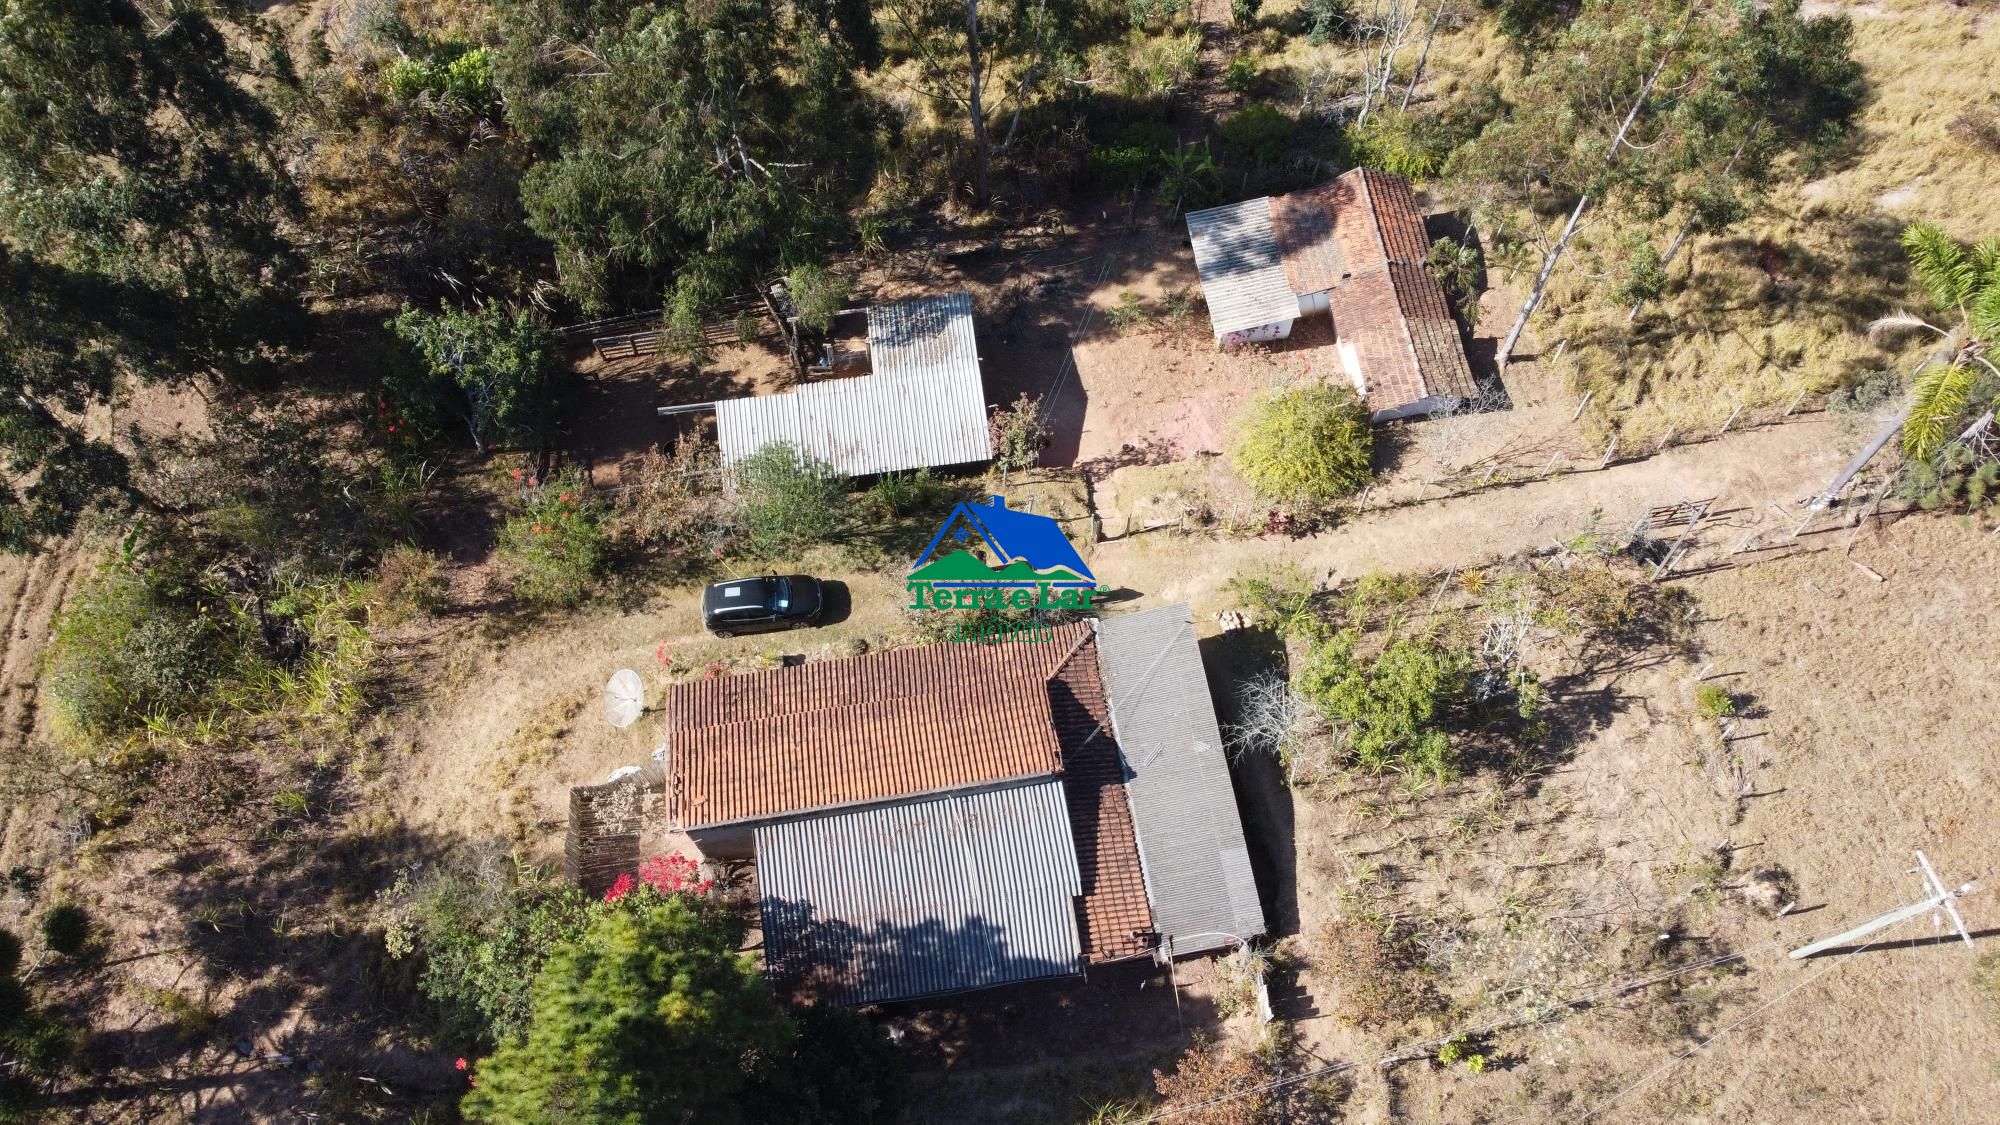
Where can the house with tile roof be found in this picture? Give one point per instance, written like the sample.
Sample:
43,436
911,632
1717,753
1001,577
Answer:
1352,248
962,816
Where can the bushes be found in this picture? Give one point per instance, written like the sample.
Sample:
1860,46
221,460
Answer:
482,943
409,583
896,495
33,1047
1377,979
669,505
66,929
1307,446
1018,434
126,648
554,547
1394,705
1259,132
1714,702
788,501
817,295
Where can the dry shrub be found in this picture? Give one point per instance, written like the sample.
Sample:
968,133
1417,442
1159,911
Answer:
669,505
1376,976
198,790
409,583
1214,1084
1978,127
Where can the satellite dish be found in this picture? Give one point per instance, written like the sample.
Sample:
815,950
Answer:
624,698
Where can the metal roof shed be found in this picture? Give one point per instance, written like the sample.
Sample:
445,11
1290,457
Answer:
1190,834
924,406
947,894
1236,254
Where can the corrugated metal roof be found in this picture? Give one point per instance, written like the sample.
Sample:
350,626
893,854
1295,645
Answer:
924,405
913,899
1236,254
1190,834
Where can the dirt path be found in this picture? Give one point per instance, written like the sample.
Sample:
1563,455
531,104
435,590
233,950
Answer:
1745,472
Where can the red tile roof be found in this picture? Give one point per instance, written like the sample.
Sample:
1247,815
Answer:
1303,224
873,728
1113,916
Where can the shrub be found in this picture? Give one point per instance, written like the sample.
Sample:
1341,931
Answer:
66,929
1326,20
124,648
1131,158
1393,707
451,70
1645,274
1714,702
1127,314
1018,434
1240,75
895,495
669,505
1377,979
483,942
1309,445
817,295
1244,14
1147,13
409,583
788,500
1259,132
553,548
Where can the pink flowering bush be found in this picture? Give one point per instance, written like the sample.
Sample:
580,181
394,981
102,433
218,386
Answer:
665,874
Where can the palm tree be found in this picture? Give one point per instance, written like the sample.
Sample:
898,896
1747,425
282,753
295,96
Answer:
1964,282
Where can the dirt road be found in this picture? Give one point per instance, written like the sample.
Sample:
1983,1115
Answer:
1745,473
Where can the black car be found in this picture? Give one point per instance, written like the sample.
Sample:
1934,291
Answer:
761,605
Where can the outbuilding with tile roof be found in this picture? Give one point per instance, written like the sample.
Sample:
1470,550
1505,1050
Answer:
1353,248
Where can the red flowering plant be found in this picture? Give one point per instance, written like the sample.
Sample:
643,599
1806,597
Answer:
554,546
662,875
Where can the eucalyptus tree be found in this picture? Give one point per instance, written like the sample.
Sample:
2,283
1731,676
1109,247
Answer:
141,212
685,147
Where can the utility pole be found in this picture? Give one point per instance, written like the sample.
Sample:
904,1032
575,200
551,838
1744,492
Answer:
1941,897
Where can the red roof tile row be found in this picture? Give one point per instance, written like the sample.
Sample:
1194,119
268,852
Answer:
872,728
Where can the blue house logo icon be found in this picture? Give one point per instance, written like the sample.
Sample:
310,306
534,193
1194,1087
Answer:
1028,563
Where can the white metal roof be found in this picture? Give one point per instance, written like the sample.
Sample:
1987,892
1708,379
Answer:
1236,253
1191,845
917,898
924,405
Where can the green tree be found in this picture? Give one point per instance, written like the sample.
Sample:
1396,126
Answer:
684,147
140,207
488,367
651,1016
1307,445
